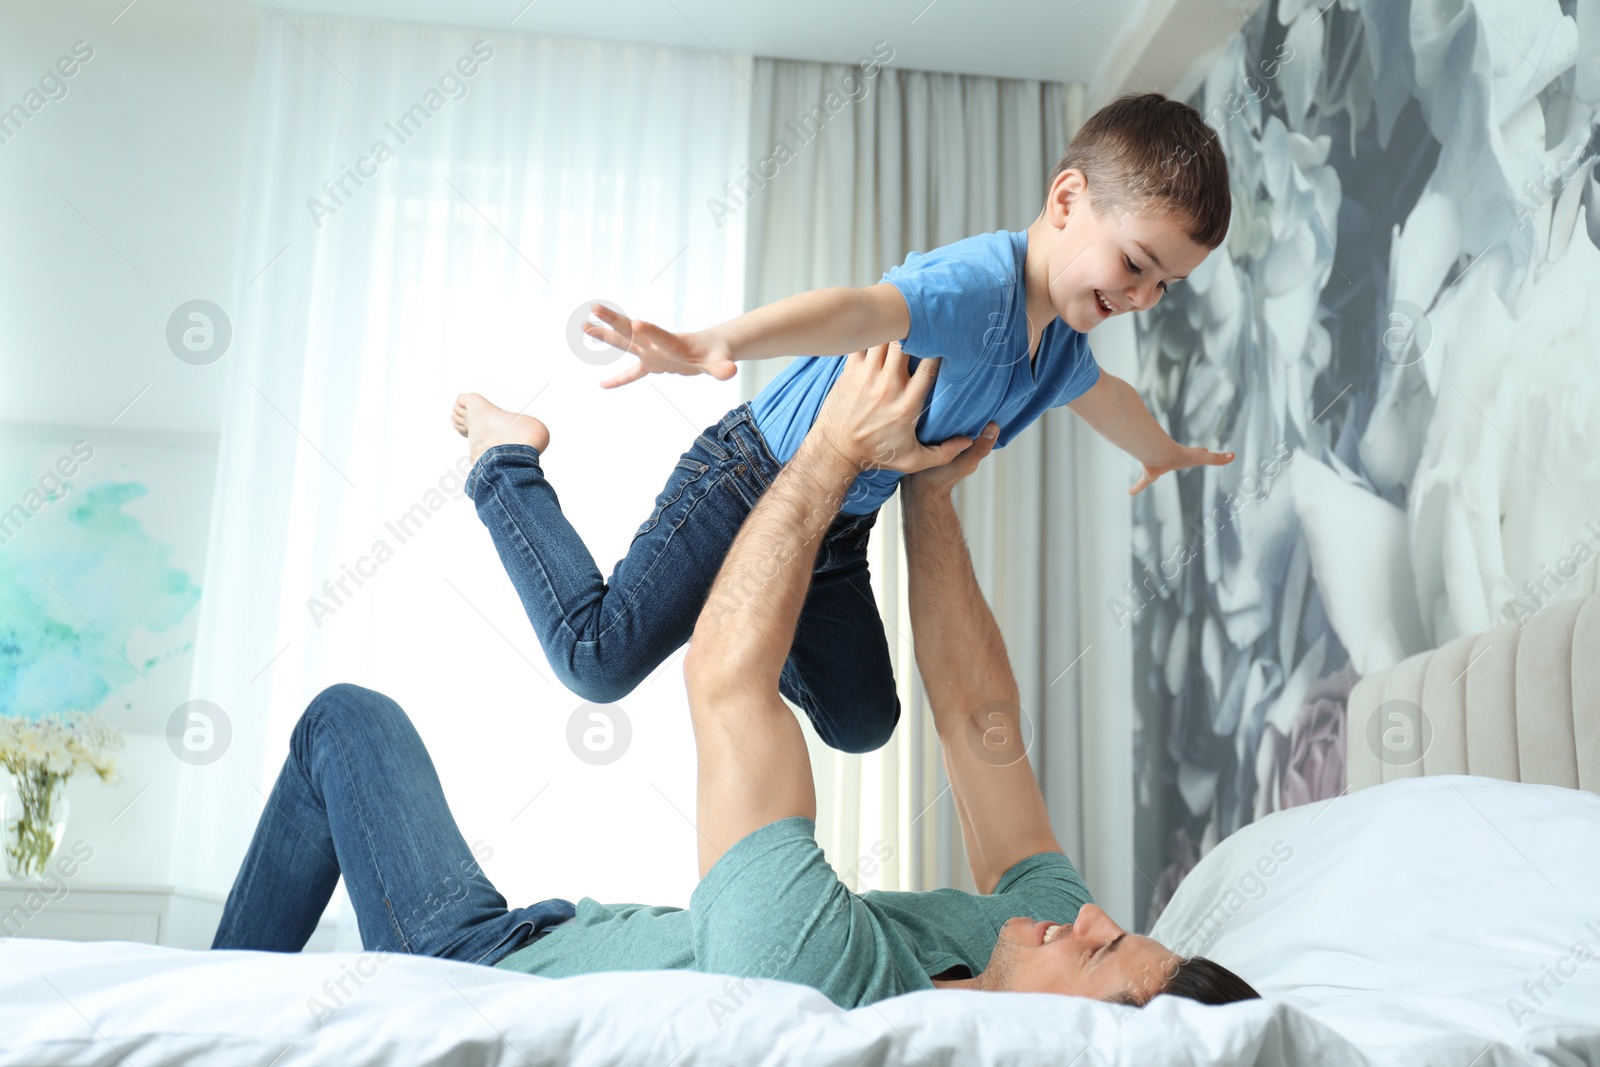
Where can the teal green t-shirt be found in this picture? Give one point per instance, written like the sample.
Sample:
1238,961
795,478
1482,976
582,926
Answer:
772,908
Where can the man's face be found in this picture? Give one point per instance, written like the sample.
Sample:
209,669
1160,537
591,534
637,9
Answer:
1088,957
1123,261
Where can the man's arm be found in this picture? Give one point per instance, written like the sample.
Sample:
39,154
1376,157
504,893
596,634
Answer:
1115,411
823,322
753,764
967,675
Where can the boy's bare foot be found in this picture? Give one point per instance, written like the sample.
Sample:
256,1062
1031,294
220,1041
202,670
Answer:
484,426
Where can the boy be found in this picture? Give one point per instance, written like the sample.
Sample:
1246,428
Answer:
1137,201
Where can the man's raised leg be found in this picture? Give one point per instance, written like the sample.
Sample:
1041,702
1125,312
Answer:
358,796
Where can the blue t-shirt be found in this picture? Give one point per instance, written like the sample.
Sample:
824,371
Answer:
968,306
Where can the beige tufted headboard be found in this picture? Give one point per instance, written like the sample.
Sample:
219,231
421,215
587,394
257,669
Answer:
1519,702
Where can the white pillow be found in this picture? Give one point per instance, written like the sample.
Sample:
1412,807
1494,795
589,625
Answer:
1448,905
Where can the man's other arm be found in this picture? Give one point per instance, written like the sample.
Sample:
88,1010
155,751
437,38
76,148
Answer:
967,676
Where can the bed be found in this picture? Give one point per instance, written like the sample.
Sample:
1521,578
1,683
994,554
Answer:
1424,917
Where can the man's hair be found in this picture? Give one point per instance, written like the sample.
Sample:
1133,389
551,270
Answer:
1200,979
1148,153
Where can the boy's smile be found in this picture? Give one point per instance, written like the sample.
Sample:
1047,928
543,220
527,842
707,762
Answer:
1085,268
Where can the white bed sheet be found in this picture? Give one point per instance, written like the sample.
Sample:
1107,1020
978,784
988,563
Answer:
1394,952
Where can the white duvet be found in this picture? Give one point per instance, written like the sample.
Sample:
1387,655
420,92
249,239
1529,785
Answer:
1408,924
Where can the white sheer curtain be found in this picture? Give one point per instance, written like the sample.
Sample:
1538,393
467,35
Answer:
557,172
913,161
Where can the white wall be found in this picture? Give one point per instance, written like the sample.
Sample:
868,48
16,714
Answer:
122,202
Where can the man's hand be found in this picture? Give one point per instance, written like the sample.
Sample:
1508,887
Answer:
1181,459
871,413
660,351
943,479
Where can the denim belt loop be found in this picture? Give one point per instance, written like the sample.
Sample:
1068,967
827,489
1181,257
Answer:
750,460
766,449
737,416
747,439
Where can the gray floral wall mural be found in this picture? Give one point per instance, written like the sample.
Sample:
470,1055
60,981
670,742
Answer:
1401,339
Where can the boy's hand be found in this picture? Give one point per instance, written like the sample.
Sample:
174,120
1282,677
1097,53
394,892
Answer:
871,413
1182,459
660,351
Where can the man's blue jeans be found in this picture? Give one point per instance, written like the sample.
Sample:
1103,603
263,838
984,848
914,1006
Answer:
358,796
604,636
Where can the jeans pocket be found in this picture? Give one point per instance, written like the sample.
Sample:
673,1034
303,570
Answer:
708,443
684,475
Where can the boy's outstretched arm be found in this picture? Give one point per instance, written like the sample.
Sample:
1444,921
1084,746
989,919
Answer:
823,322
1115,411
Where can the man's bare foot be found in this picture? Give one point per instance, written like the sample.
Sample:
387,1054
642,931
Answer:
484,426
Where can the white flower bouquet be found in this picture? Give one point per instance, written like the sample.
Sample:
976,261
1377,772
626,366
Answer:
41,755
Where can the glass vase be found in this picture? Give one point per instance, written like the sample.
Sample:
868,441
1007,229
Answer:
33,819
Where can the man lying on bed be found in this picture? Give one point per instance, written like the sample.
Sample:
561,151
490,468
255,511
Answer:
359,795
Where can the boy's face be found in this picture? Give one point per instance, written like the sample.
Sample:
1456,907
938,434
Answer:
1100,267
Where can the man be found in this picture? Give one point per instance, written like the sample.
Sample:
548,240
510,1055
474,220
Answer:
358,794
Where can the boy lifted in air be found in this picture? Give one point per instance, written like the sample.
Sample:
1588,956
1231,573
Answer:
1138,200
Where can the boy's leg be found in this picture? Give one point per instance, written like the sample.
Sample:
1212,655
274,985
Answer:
603,637
358,796
839,669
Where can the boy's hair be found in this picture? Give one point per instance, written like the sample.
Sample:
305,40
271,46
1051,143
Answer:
1148,153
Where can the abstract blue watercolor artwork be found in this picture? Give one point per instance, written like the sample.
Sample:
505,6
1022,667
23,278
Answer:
97,609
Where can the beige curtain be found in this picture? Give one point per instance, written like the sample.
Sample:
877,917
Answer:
850,174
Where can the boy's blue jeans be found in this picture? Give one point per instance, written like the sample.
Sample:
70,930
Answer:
358,796
604,636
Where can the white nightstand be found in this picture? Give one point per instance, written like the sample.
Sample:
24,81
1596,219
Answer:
153,914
